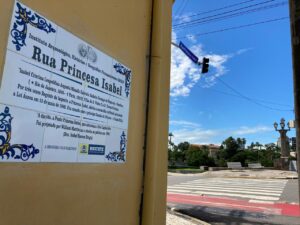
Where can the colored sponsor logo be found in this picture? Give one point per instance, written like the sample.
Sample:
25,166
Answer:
96,149
83,148
92,149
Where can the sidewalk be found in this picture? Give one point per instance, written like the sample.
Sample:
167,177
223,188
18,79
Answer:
245,173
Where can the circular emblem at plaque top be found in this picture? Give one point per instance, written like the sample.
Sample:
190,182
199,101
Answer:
87,52
83,50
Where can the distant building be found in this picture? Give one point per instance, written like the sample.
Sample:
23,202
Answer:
212,149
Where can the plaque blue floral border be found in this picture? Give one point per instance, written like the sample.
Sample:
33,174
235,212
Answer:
127,73
118,156
17,151
20,28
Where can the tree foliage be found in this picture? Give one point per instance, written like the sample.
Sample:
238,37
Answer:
231,147
196,156
231,150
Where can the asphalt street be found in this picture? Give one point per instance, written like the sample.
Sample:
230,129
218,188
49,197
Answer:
288,194
235,201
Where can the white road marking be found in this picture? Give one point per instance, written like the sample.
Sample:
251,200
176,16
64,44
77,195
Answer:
261,202
256,191
277,190
241,191
238,195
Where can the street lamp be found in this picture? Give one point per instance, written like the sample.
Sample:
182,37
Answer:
275,125
283,138
170,139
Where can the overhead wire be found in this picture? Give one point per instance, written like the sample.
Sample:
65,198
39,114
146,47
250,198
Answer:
234,28
226,12
216,18
183,8
218,9
259,100
250,99
180,6
220,18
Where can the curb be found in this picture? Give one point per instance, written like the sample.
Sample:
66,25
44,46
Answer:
173,210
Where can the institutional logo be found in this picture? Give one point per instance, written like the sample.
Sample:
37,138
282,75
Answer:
86,51
96,149
83,148
91,149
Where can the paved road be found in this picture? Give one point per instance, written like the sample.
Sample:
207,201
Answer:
288,194
235,200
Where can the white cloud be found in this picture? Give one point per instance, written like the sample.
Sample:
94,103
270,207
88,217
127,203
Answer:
243,50
182,18
195,136
252,130
185,74
184,123
192,38
198,135
217,62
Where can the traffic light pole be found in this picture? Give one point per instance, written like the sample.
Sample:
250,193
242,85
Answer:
295,34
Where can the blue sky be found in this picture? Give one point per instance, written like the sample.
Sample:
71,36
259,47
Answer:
249,85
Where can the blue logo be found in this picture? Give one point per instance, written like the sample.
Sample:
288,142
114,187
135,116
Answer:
96,150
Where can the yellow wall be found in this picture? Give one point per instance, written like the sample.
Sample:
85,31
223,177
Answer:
109,194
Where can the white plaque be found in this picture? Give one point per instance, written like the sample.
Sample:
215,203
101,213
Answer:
61,100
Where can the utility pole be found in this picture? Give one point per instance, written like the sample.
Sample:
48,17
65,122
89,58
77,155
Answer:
295,34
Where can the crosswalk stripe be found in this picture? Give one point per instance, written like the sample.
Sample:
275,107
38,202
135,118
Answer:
252,183
229,190
238,185
239,182
257,191
183,191
238,195
244,181
260,201
267,198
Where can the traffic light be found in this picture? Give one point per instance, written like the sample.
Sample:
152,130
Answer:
205,65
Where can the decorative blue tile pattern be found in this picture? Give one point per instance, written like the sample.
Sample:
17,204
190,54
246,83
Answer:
127,73
118,156
20,29
17,151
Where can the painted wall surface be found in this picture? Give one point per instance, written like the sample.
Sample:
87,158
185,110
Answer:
79,194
